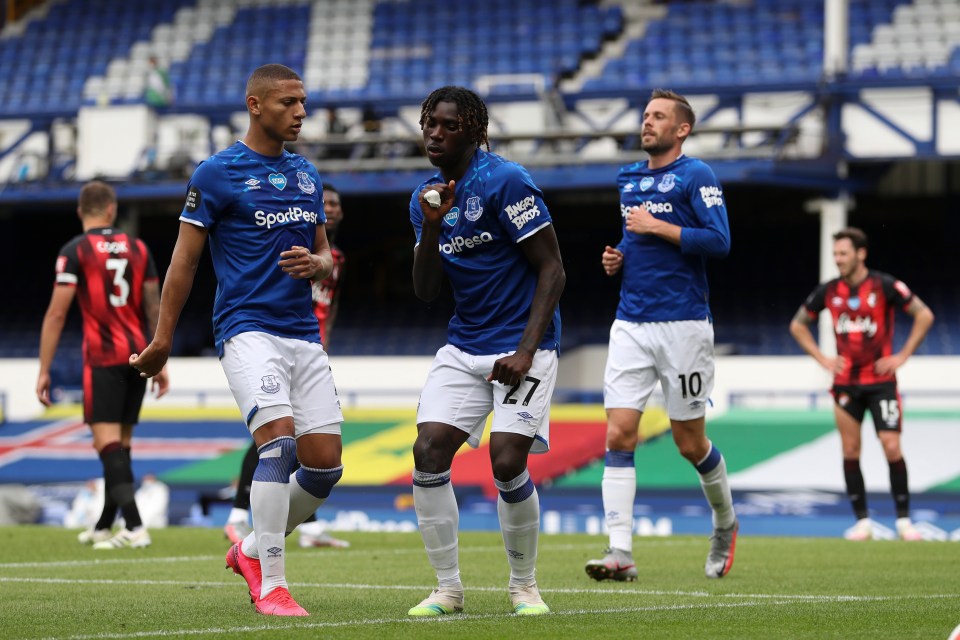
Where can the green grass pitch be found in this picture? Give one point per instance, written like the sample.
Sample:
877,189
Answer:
52,587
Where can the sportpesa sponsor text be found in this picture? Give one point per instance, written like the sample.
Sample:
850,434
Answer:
292,214
459,243
652,207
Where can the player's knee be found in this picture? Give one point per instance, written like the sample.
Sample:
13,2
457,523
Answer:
278,459
432,453
319,482
506,468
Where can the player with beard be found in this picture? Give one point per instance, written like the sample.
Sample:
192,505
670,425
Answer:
862,304
674,220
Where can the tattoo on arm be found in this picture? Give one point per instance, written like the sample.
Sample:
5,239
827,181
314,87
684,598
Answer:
802,316
916,306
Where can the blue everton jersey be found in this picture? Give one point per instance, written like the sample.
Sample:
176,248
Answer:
254,207
663,282
496,207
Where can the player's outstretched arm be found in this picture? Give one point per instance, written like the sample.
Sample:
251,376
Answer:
543,252
53,321
176,290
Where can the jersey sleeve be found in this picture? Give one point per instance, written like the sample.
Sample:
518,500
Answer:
712,237
521,209
896,291
816,301
67,268
208,194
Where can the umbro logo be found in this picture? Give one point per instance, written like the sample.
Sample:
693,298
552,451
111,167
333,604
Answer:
275,552
252,184
515,554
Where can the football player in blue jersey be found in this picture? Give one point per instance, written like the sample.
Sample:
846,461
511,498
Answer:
261,208
674,220
492,235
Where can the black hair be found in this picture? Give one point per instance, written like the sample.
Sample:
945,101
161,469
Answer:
268,74
854,235
471,111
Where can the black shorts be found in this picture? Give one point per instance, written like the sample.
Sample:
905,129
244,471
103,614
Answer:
883,401
112,394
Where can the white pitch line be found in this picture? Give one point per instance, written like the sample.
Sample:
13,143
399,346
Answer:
559,590
314,552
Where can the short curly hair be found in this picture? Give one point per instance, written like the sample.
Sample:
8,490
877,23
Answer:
471,111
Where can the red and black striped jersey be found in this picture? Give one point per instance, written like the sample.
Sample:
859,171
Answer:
862,321
109,269
325,293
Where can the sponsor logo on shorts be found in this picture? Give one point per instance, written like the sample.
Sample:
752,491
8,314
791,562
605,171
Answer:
305,183
269,383
525,417
278,180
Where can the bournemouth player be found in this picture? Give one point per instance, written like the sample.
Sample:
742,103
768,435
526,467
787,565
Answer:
113,276
674,220
489,231
260,206
862,304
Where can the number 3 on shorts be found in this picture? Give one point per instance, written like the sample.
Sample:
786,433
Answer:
509,399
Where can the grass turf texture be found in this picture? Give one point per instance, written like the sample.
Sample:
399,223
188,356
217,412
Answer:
779,588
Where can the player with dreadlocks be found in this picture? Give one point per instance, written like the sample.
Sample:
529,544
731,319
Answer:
482,221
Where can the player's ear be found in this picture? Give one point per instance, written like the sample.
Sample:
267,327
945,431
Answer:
253,105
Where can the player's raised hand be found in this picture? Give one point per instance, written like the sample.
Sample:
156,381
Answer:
612,260
434,212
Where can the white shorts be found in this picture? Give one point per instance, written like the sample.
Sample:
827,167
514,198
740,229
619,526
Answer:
457,393
273,377
677,354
